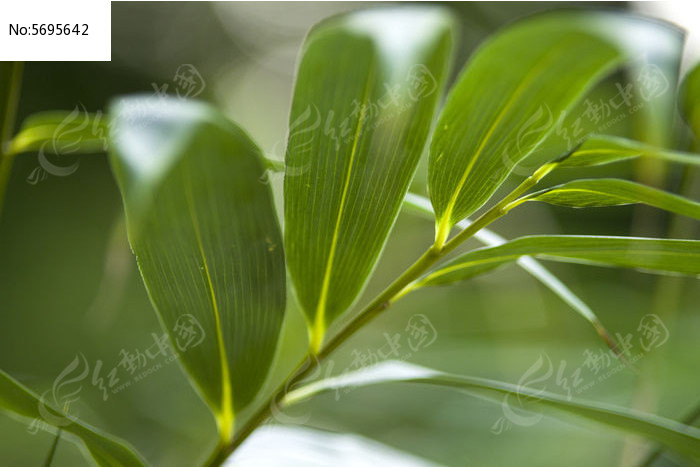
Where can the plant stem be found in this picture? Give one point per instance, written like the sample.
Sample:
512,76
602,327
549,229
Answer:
52,451
395,290
9,98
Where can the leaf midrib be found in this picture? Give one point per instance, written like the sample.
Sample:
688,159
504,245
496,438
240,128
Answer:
319,325
532,74
226,416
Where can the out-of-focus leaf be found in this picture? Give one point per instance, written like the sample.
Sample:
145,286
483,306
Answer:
651,74
681,438
611,192
10,84
652,457
202,225
652,71
296,446
533,267
10,76
491,120
689,99
18,401
366,91
600,150
62,133
648,254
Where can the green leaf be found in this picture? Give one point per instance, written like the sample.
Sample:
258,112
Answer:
297,445
611,192
62,132
10,79
18,401
10,85
600,150
490,120
366,91
202,225
649,254
689,99
681,438
533,267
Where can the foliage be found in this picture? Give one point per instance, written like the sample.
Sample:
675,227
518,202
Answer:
207,240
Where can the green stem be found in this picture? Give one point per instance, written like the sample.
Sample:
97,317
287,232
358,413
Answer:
9,98
394,291
500,209
52,451
6,162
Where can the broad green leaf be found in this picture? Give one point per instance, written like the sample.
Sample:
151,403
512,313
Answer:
690,99
18,401
600,150
611,192
202,225
62,133
649,254
681,438
533,267
366,90
489,122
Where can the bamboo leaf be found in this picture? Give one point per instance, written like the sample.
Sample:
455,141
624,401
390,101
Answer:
19,402
689,99
299,445
62,132
648,254
490,120
601,149
358,124
202,225
611,192
676,436
422,206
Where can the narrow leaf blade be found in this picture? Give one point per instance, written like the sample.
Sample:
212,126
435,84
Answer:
62,133
648,254
602,149
681,438
202,225
18,401
530,265
358,125
612,192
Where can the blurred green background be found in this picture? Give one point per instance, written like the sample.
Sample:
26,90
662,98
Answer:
69,287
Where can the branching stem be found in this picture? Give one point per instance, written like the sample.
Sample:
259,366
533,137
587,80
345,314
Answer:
393,292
